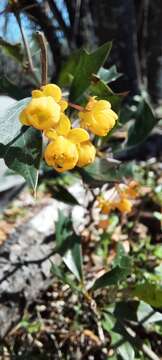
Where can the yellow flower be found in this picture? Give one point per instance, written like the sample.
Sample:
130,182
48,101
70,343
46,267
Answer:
98,117
86,152
119,197
132,189
51,90
124,205
41,113
64,152
61,154
105,205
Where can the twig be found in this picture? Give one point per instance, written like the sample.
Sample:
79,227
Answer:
93,307
76,106
146,350
26,46
44,60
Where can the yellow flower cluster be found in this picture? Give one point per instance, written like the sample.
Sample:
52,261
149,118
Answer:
67,147
98,117
120,197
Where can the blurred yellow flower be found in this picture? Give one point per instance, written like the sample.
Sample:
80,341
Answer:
41,113
98,117
119,197
124,205
105,205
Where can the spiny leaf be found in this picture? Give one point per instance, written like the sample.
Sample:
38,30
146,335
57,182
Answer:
88,64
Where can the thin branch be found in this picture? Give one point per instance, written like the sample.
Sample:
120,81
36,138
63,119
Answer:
26,46
44,60
76,107
146,349
41,17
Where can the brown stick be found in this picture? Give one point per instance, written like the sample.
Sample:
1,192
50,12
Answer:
76,107
44,60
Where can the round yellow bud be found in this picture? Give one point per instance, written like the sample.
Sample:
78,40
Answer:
105,205
41,113
124,205
61,154
86,153
52,90
98,117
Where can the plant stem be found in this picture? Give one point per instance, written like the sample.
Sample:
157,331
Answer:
44,60
76,107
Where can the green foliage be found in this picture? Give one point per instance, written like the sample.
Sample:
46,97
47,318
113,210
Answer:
9,88
103,170
31,327
60,273
88,64
108,75
21,147
151,293
117,319
122,268
69,246
13,50
100,89
61,193
68,71
158,248
24,155
144,122
9,119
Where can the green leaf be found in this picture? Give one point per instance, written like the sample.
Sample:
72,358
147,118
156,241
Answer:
126,351
100,171
23,155
126,114
122,268
64,232
10,126
150,293
9,88
119,337
146,314
120,255
68,71
102,91
60,193
114,276
158,251
73,258
88,64
13,50
108,75
103,170
62,276
69,246
144,123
